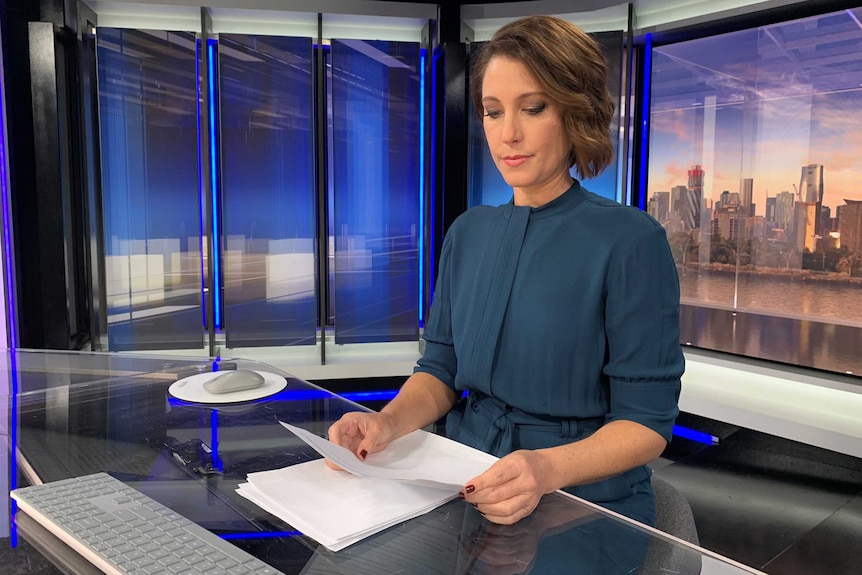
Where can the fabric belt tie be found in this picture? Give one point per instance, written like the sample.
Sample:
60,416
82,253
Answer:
508,423
488,424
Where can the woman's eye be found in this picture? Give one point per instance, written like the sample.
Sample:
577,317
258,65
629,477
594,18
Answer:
493,114
533,110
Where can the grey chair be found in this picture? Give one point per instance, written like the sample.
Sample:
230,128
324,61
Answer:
673,516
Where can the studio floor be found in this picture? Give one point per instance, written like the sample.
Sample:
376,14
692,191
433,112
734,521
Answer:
776,505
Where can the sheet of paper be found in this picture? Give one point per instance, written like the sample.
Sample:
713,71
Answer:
336,508
419,457
413,475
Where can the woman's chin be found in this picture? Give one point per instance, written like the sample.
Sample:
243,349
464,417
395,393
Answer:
517,181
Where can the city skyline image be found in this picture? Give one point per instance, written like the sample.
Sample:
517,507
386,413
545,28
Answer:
777,148
755,172
757,134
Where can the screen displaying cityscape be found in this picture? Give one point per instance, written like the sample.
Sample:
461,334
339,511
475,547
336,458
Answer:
755,169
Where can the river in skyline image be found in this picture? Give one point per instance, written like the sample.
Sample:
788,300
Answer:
808,323
789,296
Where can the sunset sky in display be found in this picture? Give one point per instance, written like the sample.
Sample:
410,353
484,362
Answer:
782,97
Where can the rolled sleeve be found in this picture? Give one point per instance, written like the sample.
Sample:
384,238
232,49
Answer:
439,358
645,360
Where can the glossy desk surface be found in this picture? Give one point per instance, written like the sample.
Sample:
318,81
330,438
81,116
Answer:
72,414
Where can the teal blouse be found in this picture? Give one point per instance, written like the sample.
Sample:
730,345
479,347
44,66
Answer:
569,311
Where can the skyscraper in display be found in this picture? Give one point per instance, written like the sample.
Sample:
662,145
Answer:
693,198
770,210
746,192
850,225
784,211
659,206
677,198
811,184
811,190
805,216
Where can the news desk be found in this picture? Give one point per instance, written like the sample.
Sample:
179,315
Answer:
71,414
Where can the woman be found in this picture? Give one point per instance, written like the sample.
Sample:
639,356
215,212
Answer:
557,313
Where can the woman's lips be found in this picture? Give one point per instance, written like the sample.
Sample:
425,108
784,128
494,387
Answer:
515,161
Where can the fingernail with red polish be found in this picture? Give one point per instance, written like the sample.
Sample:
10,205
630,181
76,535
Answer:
470,489
460,495
363,454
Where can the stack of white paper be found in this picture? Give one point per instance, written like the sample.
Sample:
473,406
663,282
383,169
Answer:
412,476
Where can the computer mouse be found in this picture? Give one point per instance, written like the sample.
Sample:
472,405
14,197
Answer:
232,381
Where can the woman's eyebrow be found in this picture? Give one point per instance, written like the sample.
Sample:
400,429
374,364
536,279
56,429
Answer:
520,97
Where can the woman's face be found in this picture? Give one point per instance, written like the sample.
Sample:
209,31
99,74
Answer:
525,134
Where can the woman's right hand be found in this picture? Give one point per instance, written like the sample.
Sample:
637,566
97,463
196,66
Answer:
362,433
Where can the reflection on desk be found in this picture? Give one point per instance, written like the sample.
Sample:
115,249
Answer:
82,413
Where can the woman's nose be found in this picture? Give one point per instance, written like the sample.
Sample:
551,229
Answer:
511,128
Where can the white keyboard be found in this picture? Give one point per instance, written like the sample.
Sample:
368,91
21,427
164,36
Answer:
124,532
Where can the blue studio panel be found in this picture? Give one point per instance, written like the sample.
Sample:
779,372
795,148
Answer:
148,115
376,179
267,190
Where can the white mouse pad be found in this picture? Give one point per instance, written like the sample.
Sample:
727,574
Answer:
192,388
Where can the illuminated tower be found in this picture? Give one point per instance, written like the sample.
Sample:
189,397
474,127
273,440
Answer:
805,216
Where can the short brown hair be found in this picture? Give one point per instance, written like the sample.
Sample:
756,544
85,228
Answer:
571,68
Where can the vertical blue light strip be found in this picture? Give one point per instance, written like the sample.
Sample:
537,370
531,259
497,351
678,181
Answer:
433,200
13,434
203,203
645,111
211,46
11,317
421,227
216,460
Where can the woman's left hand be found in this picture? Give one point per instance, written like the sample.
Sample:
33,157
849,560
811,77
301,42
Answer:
511,488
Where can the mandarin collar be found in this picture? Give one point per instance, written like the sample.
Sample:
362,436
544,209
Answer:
562,203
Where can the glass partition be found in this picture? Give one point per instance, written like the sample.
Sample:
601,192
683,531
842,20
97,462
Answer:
754,167
152,218
375,189
607,183
267,190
